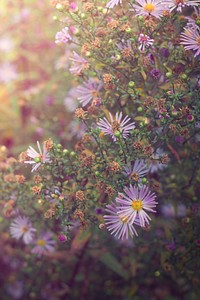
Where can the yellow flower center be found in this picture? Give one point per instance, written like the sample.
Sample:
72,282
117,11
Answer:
149,7
41,243
124,219
137,204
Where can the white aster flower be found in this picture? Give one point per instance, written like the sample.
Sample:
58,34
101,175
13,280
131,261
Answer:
38,158
21,227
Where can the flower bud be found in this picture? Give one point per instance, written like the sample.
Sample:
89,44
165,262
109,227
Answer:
60,7
37,159
72,154
140,18
139,109
83,16
65,151
131,84
128,30
97,173
168,74
117,134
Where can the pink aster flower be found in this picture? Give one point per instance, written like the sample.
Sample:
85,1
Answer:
145,42
63,36
21,227
79,64
180,4
135,202
44,244
149,7
38,158
88,91
190,38
118,225
137,171
112,3
116,125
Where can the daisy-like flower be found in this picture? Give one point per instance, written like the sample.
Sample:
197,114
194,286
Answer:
137,171
63,36
88,91
112,3
155,164
116,125
190,39
79,64
180,4
119,225
44,244
38,158
21,227
149,8
145,42
134,204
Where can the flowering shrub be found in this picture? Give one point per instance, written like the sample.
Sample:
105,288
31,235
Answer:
127,173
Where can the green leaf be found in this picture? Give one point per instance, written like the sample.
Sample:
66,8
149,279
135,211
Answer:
111,262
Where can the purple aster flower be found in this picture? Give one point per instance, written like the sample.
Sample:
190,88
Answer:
145,42
119,225
44,244
88,91
155,73
63,36
149,7
21,227
116,125
137,171
39,158
112,3
194,21
62,237
180,4
79,64
179,139
135,202
15,289
190,38
164,52
76,129
169,210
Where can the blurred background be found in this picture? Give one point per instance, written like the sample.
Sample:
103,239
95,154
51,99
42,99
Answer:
37,102
33,85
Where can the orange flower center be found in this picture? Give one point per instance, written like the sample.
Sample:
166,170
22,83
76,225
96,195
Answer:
177,2
24,229
198,41
134,176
